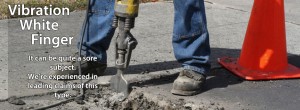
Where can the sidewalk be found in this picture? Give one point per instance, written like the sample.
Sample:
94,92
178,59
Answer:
153,66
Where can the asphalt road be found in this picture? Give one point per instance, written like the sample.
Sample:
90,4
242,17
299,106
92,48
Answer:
227,22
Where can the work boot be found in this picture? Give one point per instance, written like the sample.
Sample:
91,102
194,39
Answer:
87,67
188,83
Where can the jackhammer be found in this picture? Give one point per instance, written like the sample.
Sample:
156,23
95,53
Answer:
125,13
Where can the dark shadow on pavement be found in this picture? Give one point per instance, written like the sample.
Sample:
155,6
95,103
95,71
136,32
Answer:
146,68
158,80
219,77
294,60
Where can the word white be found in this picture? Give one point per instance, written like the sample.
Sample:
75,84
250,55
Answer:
39,11
55,41
44,25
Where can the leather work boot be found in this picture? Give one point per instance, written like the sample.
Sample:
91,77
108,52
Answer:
188,83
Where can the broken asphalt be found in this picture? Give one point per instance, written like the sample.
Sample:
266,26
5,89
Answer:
153,66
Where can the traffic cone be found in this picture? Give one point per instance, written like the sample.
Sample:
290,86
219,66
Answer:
264,53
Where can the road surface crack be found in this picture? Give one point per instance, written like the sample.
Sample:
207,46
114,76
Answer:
236,9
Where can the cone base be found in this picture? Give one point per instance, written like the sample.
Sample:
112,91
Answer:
231,64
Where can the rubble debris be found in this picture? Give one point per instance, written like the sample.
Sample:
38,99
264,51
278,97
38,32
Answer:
72,93
105,99
14,100
138,100
79,101
84,108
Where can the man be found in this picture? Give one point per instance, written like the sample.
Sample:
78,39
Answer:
190,42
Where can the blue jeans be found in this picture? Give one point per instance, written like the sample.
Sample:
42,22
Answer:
190,35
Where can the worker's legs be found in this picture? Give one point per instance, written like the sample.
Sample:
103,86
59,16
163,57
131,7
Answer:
191,46
98,31
190,36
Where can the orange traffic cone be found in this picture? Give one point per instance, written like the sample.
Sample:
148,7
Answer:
264,53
